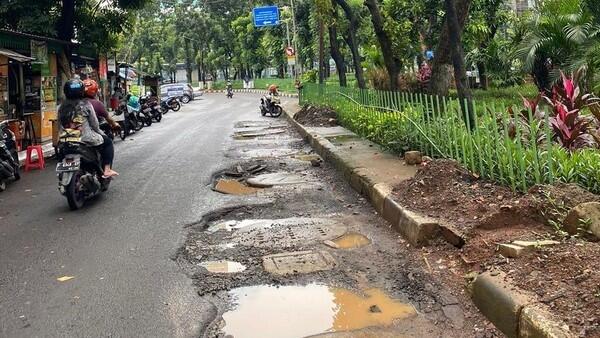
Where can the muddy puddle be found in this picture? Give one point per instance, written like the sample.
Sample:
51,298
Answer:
222,266
351,240
234,187
300,311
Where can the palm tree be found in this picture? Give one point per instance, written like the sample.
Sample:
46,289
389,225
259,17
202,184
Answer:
562,37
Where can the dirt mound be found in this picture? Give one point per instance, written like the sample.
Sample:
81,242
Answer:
446,191
311,116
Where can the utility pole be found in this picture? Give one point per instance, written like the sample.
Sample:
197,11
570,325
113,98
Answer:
321,52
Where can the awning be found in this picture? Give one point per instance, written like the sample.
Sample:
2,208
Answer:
15,56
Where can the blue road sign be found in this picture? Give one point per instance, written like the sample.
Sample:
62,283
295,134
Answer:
266,16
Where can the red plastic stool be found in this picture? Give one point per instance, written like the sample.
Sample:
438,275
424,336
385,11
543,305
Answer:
37,164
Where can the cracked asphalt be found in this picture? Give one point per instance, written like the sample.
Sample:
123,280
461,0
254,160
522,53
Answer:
134,252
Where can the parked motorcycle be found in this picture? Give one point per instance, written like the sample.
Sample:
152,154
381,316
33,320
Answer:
9,157
127,118
150,105
169,103
79,170
271,105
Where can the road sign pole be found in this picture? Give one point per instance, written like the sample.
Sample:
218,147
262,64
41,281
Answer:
298,61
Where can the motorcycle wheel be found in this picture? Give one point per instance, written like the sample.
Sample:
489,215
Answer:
185,99
176,106
158,117
148,121
164,110
17,175
277,111
75,196
2,185
138,124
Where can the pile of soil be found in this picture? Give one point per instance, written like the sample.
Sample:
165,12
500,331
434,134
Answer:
564,277
311,116
444,190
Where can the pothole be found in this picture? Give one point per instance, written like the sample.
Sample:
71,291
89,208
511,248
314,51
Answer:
257,124
300,262
234,187
299,311
246,134
222,266
349,241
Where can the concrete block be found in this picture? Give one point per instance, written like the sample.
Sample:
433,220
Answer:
377,195
499,302
416,229
534,244
391,210
535,322
511,250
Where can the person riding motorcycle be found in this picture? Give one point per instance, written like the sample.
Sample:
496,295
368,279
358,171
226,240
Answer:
78,119
273,91
91,93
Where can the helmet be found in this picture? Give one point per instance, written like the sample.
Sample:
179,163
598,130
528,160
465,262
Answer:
91,88
272,88
74,89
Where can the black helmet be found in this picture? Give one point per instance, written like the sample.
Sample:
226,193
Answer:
74,89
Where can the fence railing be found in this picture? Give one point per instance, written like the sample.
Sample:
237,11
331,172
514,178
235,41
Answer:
514,150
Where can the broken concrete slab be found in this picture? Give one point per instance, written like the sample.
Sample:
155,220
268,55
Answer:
536,322
276,179
511,250
535,244
299,262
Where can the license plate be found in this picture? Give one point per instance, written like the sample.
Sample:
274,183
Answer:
67,166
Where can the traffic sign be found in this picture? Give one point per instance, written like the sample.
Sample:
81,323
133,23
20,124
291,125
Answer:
266,16
290,51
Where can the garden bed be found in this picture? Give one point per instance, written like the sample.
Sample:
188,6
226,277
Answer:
564,277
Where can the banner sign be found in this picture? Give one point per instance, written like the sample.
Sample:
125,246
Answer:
39,51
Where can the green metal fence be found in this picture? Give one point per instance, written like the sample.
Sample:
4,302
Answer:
516,151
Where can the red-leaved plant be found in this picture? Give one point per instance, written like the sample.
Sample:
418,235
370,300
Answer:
571,130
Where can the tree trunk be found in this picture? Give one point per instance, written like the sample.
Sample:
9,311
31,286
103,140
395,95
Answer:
188,60
336,54
321,52
66,26
352,42
441,70
458,62
391,63
482,69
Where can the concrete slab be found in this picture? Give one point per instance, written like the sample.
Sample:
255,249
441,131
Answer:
299,262
276,179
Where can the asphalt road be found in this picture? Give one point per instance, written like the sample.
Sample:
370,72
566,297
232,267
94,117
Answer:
118,247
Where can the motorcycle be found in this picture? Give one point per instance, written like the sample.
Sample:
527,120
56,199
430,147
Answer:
79,171
169,103
150,105
229,93
271,105
106,128
9,157
127,118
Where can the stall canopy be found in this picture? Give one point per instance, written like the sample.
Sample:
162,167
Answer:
14,55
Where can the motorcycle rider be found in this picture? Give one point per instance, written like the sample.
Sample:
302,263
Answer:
273,91
78,118
229,87
91,92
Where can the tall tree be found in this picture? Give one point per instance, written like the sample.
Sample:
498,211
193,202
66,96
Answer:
458,62
392,63
334,45
441,70
352,41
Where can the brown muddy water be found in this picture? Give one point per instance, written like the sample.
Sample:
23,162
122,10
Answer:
300,311
233,187
351,240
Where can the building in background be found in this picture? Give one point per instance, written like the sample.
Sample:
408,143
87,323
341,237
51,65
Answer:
522,6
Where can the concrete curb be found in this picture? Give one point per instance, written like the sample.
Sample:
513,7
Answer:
416,229
252,91
511,311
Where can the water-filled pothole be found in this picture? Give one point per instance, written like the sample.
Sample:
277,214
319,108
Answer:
300,311
234,187
222,266
351,240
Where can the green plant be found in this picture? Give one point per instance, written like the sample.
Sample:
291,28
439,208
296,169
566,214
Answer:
310,76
